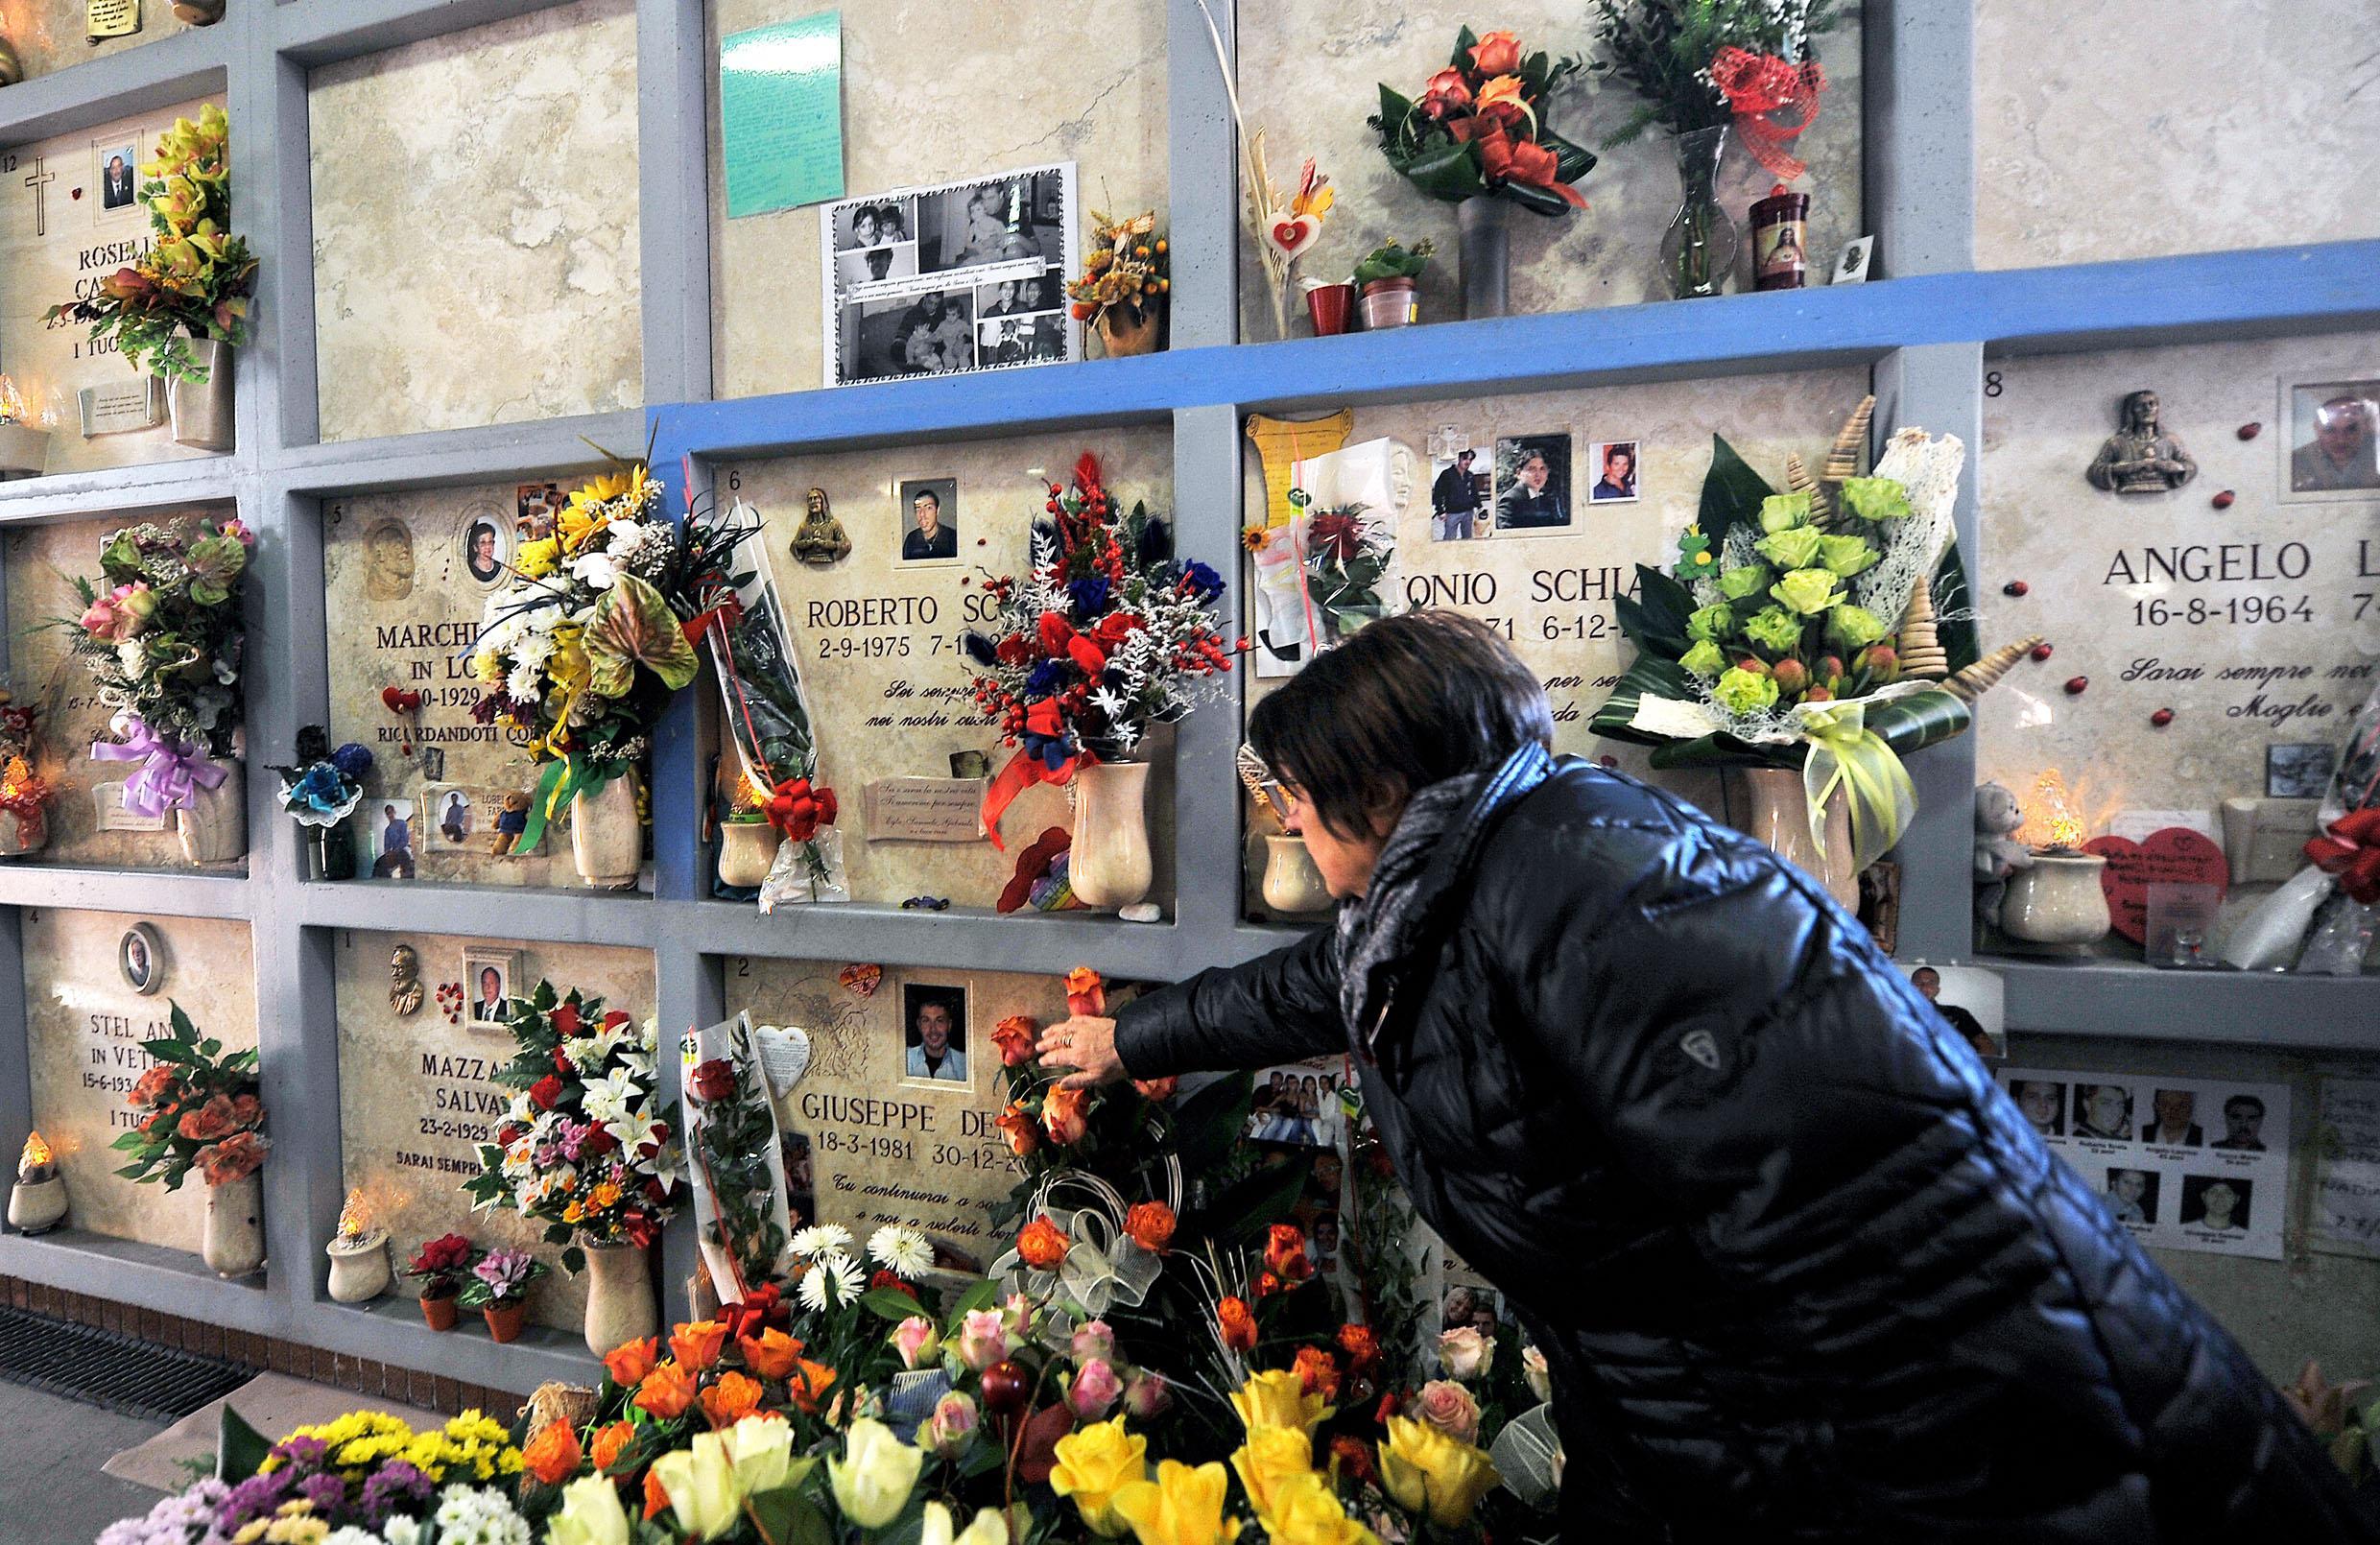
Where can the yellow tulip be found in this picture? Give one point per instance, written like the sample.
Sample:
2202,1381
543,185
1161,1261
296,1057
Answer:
1312,1514
1278,1399
1181,1507
1425,1469
700,1481
1275,1462
874,1476
1094,1464
591,1514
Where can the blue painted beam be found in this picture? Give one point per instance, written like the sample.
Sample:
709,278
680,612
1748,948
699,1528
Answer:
2262,291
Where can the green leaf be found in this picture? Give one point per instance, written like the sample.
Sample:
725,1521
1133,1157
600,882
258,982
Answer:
1571,162
1448,172
240,1449
1466,40
1656,617
1922,719
1536,200
982,1295
182,1027
786,1515
1649,675
1731,493
574,1260
887,1304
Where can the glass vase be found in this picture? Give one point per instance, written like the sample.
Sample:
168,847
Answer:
1698,250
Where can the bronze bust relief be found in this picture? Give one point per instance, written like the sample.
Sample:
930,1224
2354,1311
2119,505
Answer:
2139,458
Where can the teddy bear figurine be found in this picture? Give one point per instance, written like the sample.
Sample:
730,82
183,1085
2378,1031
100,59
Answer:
1997,853
511,822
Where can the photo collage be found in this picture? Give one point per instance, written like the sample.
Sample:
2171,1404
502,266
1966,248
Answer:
1523,485
2190,1164
1296,1109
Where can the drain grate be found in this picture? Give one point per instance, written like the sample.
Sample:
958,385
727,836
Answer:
113,1371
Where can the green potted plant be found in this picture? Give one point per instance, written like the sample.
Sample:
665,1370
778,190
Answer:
1386,281
179,309
498,1288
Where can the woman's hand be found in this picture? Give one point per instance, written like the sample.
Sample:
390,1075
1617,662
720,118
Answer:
1086,1045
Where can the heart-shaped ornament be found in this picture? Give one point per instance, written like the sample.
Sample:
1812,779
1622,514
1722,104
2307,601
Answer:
2171,855
784,1056
1291,234
401,700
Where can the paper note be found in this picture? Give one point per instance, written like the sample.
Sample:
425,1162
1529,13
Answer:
108,811
112,18
925,810
780,111
2345,1219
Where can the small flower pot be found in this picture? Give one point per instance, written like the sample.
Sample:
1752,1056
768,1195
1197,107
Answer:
1292,883
35,1206
1389,303
504,1320
1332,307
23,831
234,1243
440,1311
2058,901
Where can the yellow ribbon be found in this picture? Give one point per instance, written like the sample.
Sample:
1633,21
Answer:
1847,755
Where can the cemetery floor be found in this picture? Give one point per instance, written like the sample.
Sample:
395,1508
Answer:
51,1491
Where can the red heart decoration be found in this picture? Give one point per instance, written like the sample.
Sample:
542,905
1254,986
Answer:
2173,855
399,700
1286,232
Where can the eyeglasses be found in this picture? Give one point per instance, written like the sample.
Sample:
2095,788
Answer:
1284,797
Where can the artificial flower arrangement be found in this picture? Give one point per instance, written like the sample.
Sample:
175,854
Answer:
202,1112
1478,128
319,791
1105,635
194,279
1124,284
498,1286
163,633
1702,63
1348,551
24,793
1786,632
587,1149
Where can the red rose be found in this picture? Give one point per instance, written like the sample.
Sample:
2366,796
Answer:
210,1121
566,1020
153,1089
615,1019
510,1132
597,1142
714,1081
561,1063
1446,92
886,1280
546,1093
1285,1253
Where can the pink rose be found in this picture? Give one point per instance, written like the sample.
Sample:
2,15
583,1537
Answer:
1533,1369
916,1341
1094,1390
1464,1353
136,601
1449,1408
1147,1394
1446,92
101,619
1093,1338
983,1338
954,1422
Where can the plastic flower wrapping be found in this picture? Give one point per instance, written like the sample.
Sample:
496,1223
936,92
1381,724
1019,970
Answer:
586,1147
201,1109
1107,634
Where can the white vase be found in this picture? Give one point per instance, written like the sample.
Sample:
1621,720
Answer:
607,839
359,1268
1292,883
746,849
2058,902
1108,865
214,828
620,1306
233,1245
1776,811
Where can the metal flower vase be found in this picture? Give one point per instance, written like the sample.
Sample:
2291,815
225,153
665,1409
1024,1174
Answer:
1108,865
1483,226
1698,250
213,827
203,409
233,1241
620,1305
1774,808
606,835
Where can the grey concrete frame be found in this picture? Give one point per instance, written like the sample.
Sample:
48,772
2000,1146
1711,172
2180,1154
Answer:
1920,202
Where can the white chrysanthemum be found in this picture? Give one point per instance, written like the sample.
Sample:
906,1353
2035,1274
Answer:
532,650
901,1250
597,571
474,1515
835,1278
819,1239
525,684
352,1535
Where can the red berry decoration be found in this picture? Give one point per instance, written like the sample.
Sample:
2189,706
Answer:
2075,685
1005,1386
2224,500
2015,587
2251,431
2043,651
2161,718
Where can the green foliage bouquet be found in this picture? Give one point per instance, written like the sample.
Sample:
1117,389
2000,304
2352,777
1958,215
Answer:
1478,128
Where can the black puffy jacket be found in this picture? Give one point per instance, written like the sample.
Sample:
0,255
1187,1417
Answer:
1800,1272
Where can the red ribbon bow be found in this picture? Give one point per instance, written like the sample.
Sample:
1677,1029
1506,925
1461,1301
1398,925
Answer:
762,1307
1757,84
798,810
1060,638
2348,851
1504,159
1027,767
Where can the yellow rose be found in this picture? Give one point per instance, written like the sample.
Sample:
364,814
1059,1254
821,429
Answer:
875,1475
700,1484
1312,1514
1094,1464
1278,1399
590,1514
1424,1468
760,1451
1181,1507
1275,1462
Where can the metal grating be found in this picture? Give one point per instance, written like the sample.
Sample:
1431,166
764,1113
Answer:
113,1371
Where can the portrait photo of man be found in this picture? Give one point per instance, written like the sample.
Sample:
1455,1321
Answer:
2172,1120
1533,483
2103,1111
2334,438
116,185
2216,1201
2043,1103
2132,1196
2243,1126
1972,999
488,1003
1457,496
930,520
393,844
933,1032
1615,480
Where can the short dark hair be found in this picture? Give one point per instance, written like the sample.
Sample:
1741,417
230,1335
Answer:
2255,1105
1403,703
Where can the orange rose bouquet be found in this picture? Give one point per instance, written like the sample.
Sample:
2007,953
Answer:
201,1110
1478,128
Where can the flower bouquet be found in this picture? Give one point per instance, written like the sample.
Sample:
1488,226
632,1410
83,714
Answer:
1108,634
443,1266
1709,64
164,640
585,1148
1124,284
320,793
497,1286
1478,128
740,1203
24,793
202,1112
192,279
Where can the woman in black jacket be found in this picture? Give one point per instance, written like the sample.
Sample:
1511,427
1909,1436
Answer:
1800,1271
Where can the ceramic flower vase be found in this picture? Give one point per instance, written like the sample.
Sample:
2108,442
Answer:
1124,331
1110,866
1483,226
439,1311
23,831
1292,883
214,828
201,409
359,1268
747,849
2058,902
620,1306
504,1319
1698,250
234,1243
607,838
1773,807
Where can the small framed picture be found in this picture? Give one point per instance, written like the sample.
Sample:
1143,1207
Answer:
1297,1102
487,549
115,168
2298,769
2042,1102
2334,440
1533,483
1972,1000
1614,463
2132,1195
1851,264
1471,1302
489,975
2102,1111
454,821
390,833
140,956
1460,507
933,1032
927,511
535,507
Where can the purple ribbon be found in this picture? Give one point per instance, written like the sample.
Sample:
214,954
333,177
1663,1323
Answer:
172,771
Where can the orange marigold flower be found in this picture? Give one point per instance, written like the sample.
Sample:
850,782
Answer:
1285,1253
630,1360
608,1441
807,1386
1042,1244
1317,1373
696,1343
657,1497
1361,1344
1238,1325
1066,1114
1150,1224
553,1455
732,1399
1022,1135
666,1392
770,1354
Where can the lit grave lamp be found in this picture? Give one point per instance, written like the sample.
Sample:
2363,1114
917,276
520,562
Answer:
359,1254
24,445
24,821
2058,899
38,1198
748,844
